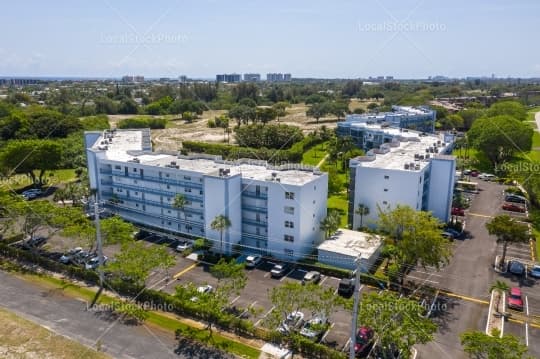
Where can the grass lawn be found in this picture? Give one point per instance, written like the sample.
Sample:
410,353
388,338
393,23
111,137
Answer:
339,202
161,320
315,154
24,339
536,139
531,112
536,233
19,181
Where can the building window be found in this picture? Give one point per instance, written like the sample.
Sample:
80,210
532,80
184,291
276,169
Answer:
187,189
201,192
168,211
168,199
314,201
134,181
288,238
314,188
386,189
168,187
134,170
289,210
169,223
289,224
136,205
289,195
289,252
386,177
117,167
167,175
189,215
187,178
385,203
136,193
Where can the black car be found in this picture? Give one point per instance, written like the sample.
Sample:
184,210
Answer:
346,287
515,198
516,268
35,241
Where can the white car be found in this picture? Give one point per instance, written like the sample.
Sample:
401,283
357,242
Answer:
293,322
204,289
183,245
93,263
487,177
253,261
315,327
66,257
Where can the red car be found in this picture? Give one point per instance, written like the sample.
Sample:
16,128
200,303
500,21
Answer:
364,341
475,173
456,211
513,207
515,301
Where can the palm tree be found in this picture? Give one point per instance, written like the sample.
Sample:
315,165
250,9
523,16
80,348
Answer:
362,211
60,195
180,202
501,287
507,230
220,223
331,222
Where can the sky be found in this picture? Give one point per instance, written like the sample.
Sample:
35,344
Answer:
308,38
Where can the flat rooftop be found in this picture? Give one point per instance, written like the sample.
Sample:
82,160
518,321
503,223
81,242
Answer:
130,145
398,111
352,243
408,147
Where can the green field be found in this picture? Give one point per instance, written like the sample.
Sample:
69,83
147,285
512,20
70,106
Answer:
339,202
315,154
52,178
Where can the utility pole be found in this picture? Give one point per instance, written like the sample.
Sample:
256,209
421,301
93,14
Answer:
98,239
358,262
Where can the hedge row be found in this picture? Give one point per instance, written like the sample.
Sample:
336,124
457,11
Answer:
231,152
171,303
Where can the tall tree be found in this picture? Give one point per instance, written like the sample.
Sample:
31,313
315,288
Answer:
396,321
27,156
362,210
220,224
507,230
180,202
331,222
231,277
509,108
479,345
317,110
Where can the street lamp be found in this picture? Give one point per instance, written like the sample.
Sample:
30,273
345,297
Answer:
358,262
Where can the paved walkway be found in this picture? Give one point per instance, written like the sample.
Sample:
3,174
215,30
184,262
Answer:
69,317
537,118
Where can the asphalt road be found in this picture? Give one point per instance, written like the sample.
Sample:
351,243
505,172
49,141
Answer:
69,317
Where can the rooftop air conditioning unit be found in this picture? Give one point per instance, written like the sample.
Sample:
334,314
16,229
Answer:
173,163
406,166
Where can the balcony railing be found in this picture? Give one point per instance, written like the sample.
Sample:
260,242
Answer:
254,222
163,179
255,194
248,207
164,204
158,191
105,171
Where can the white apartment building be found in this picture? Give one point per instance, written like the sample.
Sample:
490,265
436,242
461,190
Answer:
273,210
412,169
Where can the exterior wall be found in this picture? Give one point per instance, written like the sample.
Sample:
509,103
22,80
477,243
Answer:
89,139
223,197
346,261
309,205
441,187
402,187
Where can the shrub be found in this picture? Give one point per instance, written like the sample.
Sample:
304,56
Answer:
143,122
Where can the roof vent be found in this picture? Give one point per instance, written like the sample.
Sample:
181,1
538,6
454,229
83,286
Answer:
406,166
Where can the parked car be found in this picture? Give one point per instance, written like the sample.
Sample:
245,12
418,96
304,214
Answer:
81,257
364,341
346,287
32,193
311,277
204,289
487,177
253,261
279,270
455,233
315,327
183,245
293,322
513,207
516,268
474,173
93,262
67,257
456,211
515,300
515,198
467,172
535,271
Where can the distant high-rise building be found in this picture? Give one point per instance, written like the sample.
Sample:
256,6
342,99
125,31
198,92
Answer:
389,78
228,78
182,78
138,78
252,77
278,77
127,78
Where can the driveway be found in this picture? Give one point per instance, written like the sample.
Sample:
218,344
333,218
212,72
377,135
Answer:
70,317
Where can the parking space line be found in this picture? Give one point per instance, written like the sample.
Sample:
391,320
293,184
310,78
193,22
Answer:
322,280
346,346
479,215
248,308
184,271
234,300
265,315
267,275
327,331
286,275
422,279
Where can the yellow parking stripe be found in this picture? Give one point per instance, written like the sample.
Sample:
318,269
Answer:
184,271
464,297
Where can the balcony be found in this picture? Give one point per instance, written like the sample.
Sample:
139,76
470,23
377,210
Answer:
167,180
163,204
158,191
106,182
119,208
254,222
254,237
254,194
105,171
247,207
